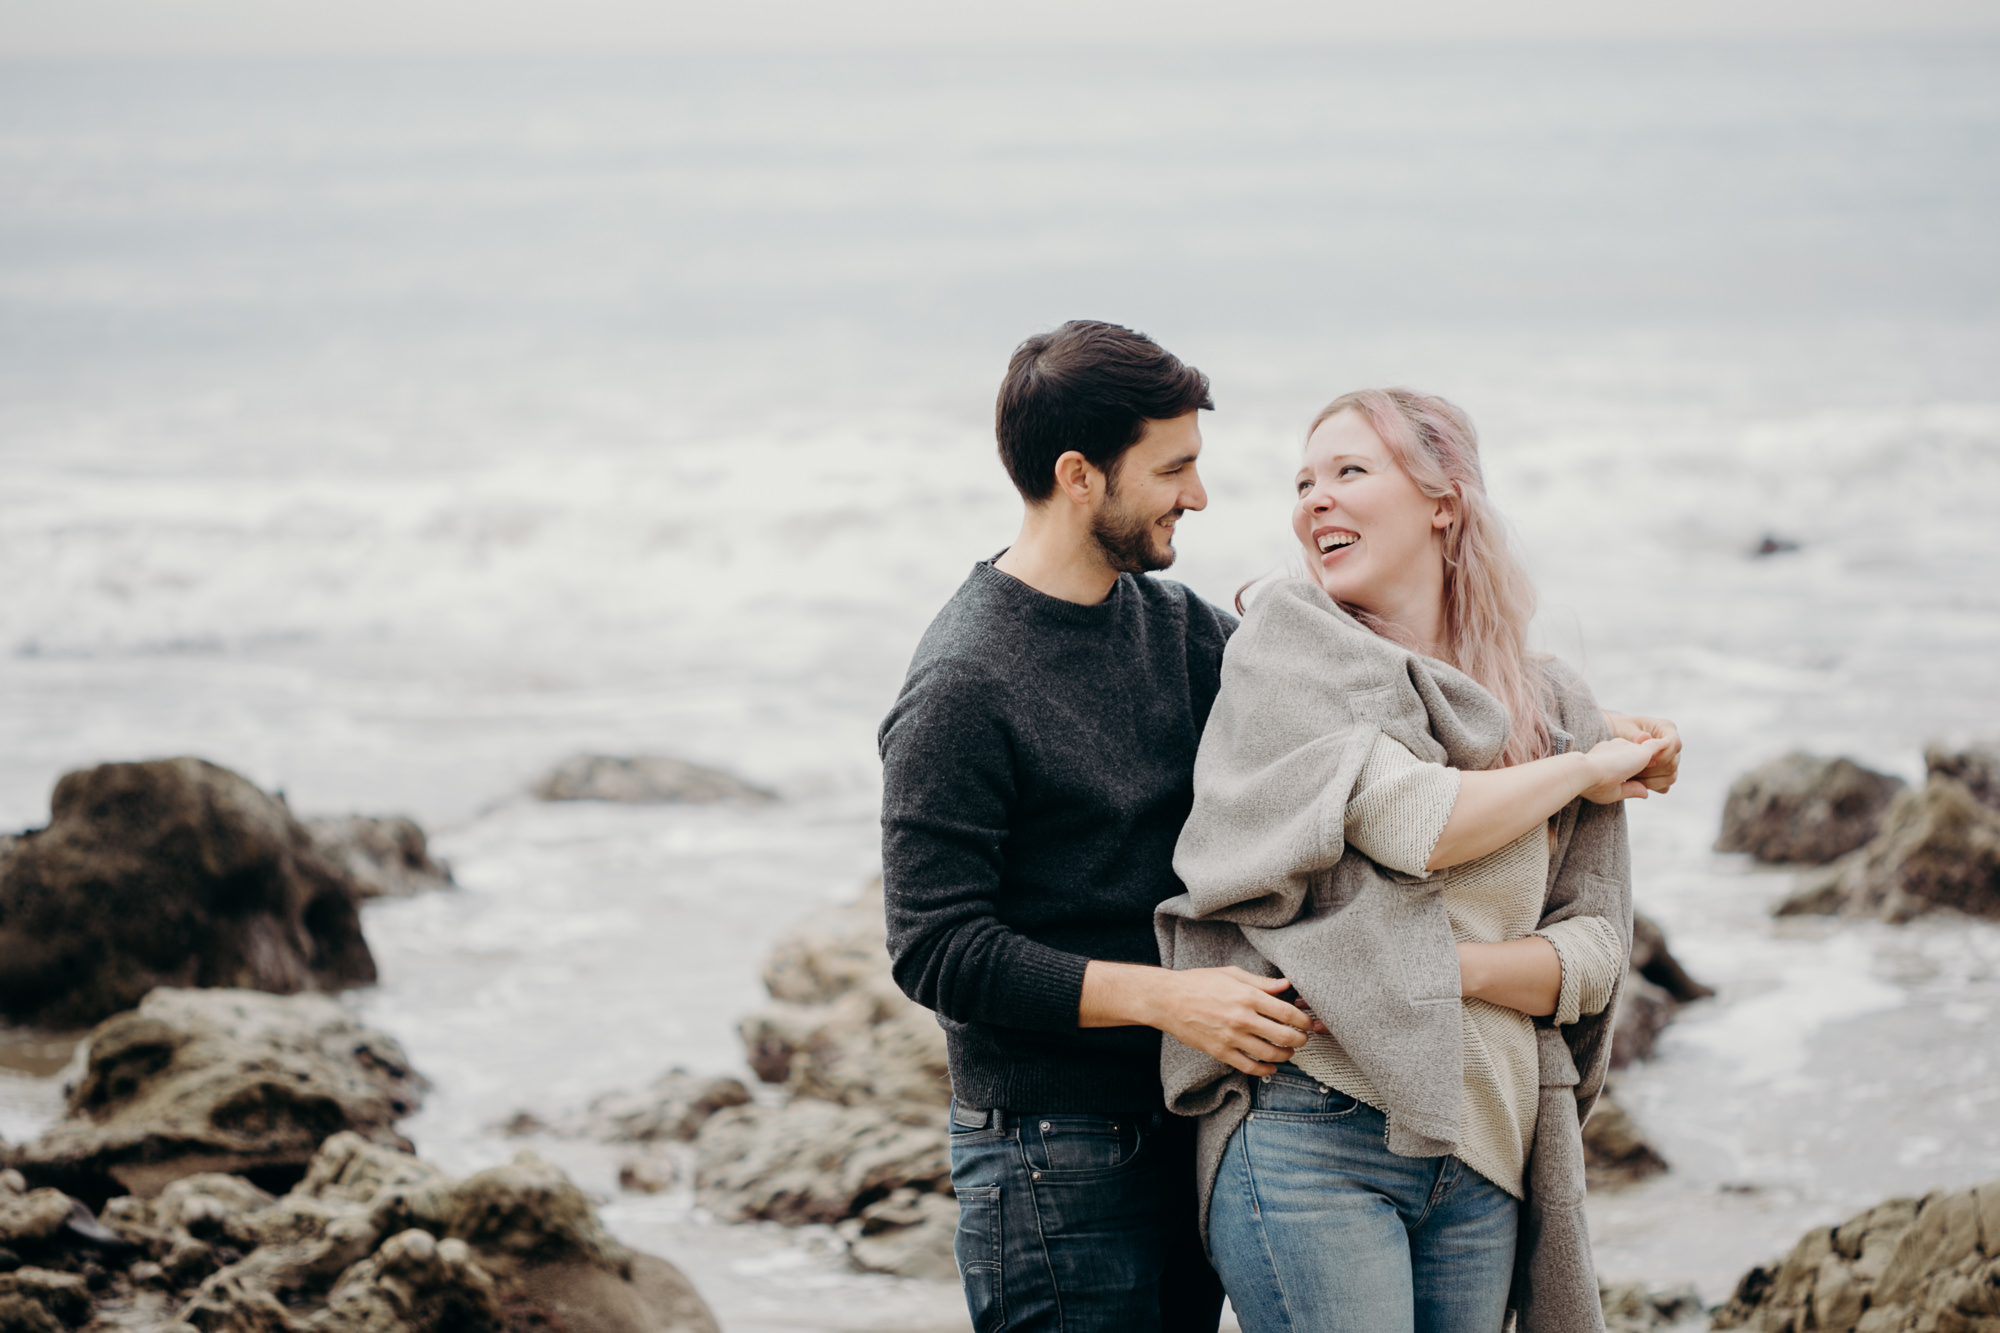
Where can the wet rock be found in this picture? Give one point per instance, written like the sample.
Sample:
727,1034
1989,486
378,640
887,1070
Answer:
1615,1153
1900,1267
39,1299
1652,960
1644,1010
1804,809
221,1080
1655,988
415,1282
374,1241
650,1173
839,1029
1939,848
909,1234
1633,1307
644,780
385,857
673,1107
33,1218
867,1073
814,1161
173,872
1978,767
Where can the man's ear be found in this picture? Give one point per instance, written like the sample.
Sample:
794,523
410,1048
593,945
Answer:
1078,478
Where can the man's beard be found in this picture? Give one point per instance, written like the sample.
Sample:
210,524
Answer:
1127,541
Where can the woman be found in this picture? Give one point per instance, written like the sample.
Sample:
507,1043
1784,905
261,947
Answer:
1387,813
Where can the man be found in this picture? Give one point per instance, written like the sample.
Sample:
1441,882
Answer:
1037,768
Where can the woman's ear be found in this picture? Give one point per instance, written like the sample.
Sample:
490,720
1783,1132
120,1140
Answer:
1077,478
1446,512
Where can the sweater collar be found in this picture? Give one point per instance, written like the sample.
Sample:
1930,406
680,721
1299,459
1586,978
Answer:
1033,602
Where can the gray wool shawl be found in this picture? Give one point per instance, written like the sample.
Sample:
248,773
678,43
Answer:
1273,888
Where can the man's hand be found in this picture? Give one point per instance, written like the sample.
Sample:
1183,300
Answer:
1233,1015
1666,766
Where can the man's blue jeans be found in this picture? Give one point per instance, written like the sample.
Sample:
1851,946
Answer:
1316,1226
1072,1223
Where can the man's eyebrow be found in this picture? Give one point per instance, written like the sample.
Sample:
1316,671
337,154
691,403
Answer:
1182,461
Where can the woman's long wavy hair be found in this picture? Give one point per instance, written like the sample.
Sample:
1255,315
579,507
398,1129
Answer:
1488,598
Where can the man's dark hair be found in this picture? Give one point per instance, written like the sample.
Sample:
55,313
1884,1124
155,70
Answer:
1091,387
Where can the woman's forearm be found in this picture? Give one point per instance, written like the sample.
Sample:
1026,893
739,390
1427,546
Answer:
1525,974
1498,805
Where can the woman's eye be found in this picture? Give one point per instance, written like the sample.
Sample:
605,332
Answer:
1304,486
1352,467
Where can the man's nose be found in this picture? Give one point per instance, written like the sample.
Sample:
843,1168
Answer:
1195,495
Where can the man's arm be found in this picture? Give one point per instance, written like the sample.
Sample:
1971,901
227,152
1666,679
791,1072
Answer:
947,802
1226,1012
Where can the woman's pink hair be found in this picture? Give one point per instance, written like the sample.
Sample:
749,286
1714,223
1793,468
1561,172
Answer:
1488,599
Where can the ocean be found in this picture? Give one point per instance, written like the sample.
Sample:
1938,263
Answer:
389,430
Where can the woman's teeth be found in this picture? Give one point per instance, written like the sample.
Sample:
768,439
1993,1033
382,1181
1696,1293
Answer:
1333,541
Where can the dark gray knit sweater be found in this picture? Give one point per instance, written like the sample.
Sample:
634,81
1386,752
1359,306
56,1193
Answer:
1036,770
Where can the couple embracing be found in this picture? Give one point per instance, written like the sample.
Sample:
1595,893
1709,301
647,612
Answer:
1274,956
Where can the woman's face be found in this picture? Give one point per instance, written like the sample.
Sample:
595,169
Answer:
1370,536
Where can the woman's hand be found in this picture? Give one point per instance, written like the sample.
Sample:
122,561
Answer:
1615,766
1666,766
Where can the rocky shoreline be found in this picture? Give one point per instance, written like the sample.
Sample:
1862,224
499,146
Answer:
228,1158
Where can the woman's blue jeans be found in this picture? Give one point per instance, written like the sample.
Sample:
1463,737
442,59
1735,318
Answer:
1315,1226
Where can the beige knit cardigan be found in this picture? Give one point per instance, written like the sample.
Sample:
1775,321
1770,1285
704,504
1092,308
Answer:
1272,887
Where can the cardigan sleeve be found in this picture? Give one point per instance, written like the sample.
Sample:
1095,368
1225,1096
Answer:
1399,808
1591,961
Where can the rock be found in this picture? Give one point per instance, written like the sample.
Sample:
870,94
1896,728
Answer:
1655,988
867,1072
385,857
1939,848
1816,893
1615,1154
220,1080
1977,767
644,780
414,1282
523,1214
1902,1266
1644,1010
1633,1307
374,1241
1652,960
1802,808
34,1218
173,872
814,1161
40,1299
673,1106
909,1234
650,1173
18,1314
839,1028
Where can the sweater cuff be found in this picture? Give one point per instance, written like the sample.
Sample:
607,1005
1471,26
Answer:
1591,962
1399,808
1044,987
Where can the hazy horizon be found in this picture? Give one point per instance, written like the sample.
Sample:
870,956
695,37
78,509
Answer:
197,28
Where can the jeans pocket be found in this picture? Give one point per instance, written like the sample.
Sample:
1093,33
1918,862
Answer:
977,1247
1289,1096
1060,1144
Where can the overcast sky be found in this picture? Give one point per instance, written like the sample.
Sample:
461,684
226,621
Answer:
218,27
